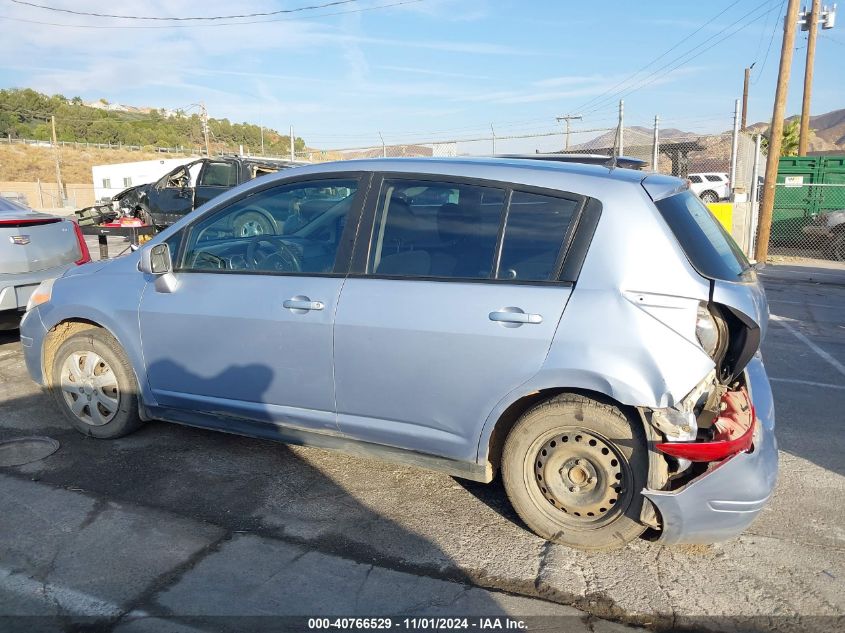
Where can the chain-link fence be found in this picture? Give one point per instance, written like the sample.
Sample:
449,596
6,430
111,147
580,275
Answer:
679,154
809,221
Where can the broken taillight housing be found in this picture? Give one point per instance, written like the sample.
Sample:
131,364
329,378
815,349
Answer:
732,432
84,253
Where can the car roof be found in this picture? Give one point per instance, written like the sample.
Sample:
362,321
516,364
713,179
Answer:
590,180
506,169
590,159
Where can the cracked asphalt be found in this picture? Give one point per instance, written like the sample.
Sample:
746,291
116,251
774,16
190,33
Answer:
209,528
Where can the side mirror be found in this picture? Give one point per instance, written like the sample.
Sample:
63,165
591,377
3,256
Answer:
155,260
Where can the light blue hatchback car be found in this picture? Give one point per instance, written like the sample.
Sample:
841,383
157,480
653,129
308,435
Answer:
591,333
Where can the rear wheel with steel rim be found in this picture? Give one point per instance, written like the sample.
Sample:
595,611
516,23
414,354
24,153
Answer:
574,468
94,385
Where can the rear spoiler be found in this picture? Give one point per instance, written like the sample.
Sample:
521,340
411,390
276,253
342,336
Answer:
659,186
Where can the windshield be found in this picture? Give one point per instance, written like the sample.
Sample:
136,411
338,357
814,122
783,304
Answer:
709,247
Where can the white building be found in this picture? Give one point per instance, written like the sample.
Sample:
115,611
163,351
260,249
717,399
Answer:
112,179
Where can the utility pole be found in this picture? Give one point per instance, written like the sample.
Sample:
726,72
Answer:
58,161
810,24
745,96
494,138
204,114
655,156
755,194
621,148
383,146
764,227
292,145
567,118
262,140
734,145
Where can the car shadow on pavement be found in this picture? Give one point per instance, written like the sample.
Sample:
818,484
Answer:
276,505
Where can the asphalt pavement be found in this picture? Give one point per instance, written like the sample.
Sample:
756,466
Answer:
207,528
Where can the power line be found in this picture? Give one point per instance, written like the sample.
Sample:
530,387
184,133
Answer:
685,57
658,58
769,47
209,24
181,19
832,39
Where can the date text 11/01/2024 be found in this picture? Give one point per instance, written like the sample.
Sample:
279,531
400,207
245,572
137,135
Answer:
417,624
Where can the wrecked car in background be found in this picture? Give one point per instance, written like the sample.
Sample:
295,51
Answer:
828,229
183,189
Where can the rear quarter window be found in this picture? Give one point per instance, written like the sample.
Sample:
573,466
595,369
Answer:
708,246
535,234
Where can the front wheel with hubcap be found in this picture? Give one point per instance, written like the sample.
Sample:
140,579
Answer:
94,385
574,469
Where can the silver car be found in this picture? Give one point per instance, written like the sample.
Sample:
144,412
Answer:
33,247
590,333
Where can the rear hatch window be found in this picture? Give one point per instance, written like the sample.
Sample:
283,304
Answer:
708,246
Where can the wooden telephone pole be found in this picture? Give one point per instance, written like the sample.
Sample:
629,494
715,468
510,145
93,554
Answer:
813,29
204,114
764,229
567,118
745,83
59,184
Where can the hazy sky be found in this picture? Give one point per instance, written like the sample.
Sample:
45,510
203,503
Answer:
433,69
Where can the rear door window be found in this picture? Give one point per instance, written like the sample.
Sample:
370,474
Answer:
708,246
535,236
435,229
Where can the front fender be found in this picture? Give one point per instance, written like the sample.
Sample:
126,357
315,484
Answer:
109,298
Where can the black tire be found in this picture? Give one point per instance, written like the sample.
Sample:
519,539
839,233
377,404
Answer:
709,197
836,248
251,224
586,504
119,415
146,217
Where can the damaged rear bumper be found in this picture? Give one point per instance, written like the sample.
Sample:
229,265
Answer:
721,503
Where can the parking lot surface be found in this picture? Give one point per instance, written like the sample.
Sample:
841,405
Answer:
178,521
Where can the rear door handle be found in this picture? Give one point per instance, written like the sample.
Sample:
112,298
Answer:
302,304
514,316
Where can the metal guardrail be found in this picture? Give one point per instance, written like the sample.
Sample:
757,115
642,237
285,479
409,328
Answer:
85,144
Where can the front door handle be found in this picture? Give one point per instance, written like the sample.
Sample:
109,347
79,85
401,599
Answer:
301,304
514,317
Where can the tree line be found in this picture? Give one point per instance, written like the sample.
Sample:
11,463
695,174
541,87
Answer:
25,113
